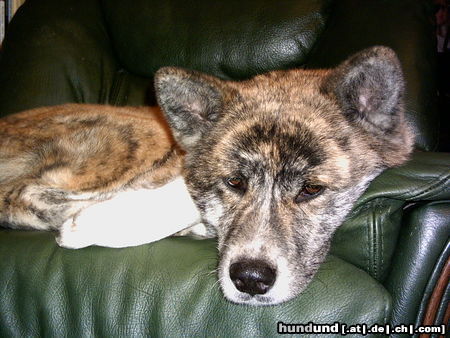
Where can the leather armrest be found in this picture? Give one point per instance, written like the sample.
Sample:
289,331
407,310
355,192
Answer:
421,246
368,237
425,177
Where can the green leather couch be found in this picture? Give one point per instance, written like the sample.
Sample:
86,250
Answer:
386,258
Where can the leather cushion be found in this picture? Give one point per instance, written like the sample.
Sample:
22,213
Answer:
55,52
168,288
231,39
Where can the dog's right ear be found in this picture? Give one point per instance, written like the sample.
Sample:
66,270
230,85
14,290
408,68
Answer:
191,101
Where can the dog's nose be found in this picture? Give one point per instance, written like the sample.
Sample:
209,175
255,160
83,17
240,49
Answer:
254,277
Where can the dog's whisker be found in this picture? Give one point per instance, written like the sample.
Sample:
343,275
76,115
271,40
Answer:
215,284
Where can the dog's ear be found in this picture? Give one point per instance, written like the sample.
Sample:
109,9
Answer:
191,101
369,88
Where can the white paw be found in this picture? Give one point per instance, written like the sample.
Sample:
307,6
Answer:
73,237
132,218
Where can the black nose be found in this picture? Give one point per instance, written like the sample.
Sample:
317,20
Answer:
254,277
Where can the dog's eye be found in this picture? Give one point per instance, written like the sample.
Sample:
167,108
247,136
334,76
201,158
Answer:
308,191
237,183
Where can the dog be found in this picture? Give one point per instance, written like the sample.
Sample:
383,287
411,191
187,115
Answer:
270,166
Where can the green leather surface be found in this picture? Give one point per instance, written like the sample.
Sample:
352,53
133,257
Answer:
423,238
168,288
403,25
369,236
231,39
56,52
425,177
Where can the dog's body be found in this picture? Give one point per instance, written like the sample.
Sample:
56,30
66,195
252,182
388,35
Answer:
58,163
274,164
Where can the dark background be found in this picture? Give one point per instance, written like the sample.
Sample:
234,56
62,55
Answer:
443,54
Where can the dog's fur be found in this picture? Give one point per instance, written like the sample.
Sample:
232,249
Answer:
274,163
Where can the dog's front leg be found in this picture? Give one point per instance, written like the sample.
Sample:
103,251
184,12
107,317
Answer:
132,218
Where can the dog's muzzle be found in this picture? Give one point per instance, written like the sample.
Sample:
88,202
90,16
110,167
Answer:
254,277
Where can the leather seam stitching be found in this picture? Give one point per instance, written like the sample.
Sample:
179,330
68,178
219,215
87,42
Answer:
381,254
368,249
375,249
425,188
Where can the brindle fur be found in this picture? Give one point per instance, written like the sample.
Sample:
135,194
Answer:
335,128
280,131
56,161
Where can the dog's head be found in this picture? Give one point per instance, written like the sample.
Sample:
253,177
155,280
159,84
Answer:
275,163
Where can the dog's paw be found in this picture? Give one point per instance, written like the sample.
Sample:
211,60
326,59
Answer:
71,236
132,218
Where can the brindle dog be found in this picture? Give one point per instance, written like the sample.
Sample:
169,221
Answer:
274,164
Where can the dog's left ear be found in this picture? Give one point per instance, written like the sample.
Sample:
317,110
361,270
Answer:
191,101
369,88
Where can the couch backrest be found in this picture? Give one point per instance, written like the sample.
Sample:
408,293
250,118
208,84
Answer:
231,39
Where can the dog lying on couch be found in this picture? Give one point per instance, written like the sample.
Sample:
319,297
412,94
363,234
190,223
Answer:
270,165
